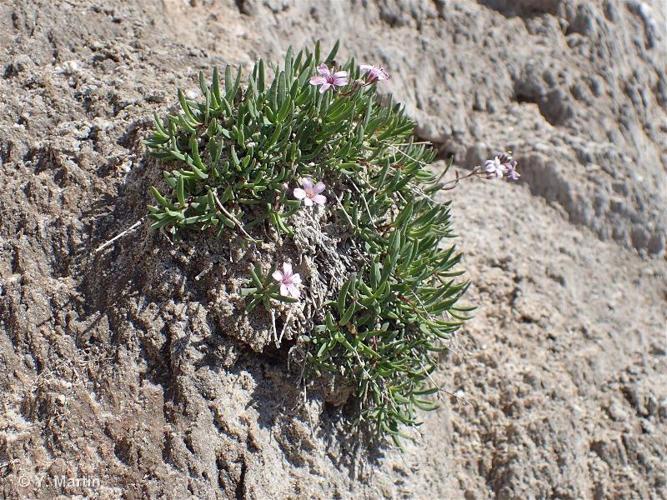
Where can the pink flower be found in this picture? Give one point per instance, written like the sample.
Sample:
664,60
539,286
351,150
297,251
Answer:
327,79
511,172
374,73
494,168
310,194
510,166
502,165
290,282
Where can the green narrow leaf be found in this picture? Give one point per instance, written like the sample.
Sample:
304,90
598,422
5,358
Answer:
342,295
215,87
317,53
260,76
202,83
347,315
229,82
332,55
180,190
186,109
160,199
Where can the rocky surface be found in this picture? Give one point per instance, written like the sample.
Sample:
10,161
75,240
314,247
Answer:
556,388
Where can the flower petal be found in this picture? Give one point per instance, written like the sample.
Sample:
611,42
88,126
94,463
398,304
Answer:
340,74
287,270
319,187
277,275
296,279
323,70
284,290
308,202
320,199
294,291
365,67
324,87
299,193
317,80
307,183
340,81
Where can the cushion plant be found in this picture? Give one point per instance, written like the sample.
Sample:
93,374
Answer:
313,161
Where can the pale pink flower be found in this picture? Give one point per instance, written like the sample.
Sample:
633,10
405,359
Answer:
510,166
327,79
310,194
511,172
374,73
494,168
290,282
501,165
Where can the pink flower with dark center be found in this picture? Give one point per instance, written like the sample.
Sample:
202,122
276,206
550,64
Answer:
290,282
374,73
327,79
310,194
